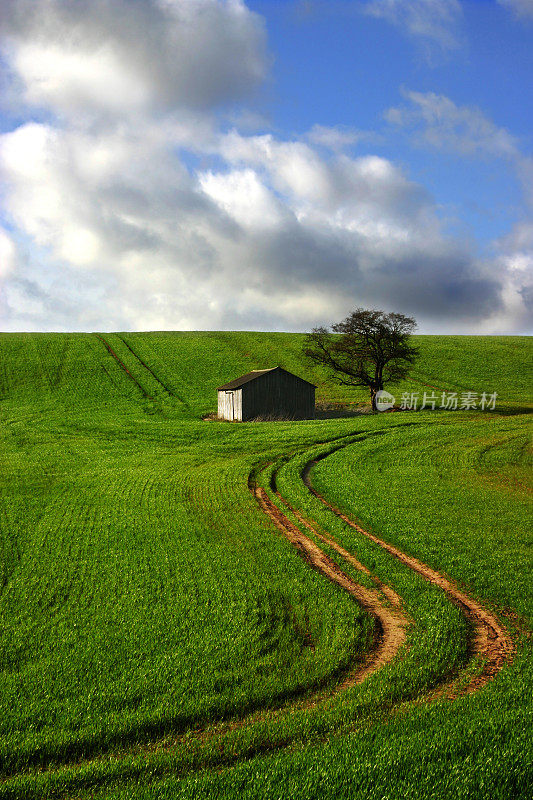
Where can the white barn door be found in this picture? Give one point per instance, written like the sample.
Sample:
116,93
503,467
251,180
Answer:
230,405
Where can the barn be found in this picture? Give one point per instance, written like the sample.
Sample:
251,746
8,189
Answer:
272,393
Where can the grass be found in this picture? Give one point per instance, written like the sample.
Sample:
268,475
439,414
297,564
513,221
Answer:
143,611
144,594
469,475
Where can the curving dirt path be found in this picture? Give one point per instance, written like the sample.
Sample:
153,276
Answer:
492,643
382,603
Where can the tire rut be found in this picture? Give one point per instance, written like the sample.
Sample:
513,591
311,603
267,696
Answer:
491,642
390,622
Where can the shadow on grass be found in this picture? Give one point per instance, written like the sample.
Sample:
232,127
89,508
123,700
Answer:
340,411
507,411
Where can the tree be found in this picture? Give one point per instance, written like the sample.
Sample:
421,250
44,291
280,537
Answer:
373,348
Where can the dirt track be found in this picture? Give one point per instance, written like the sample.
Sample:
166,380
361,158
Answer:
492,643
382,603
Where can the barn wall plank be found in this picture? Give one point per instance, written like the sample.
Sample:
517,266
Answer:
278,394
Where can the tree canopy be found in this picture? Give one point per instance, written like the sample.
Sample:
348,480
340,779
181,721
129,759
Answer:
371,348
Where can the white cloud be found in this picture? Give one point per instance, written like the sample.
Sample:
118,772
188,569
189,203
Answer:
7,254
516,270
362,194
274,238
514,263
241,194
69,80
439,122
432,21
295,167
335,138
140,213
115,56
523,9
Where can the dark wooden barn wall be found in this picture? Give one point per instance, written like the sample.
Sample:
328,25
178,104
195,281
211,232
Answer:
278,394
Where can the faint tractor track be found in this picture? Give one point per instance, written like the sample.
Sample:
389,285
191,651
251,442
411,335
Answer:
150,370
492,643
123,366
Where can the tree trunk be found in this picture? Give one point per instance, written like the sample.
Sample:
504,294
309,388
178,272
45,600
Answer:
373,392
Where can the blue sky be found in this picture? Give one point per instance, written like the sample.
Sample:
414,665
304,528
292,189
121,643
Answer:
335,66
336,154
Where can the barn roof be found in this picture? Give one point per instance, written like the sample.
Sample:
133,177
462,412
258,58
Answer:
236,383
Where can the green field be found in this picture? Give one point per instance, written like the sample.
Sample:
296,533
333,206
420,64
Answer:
161,638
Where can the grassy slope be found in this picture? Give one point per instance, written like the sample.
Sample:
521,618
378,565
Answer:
455,492
112,534
120,582
193,364
190,365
